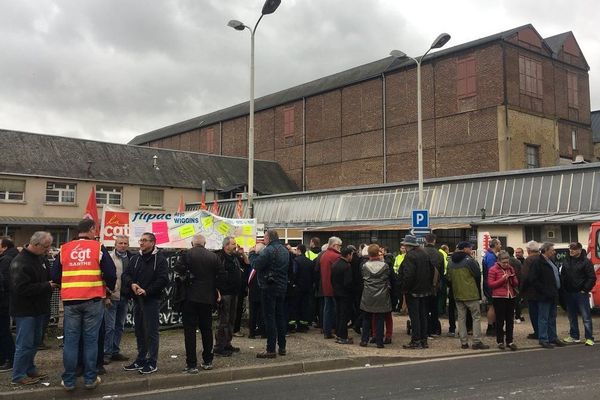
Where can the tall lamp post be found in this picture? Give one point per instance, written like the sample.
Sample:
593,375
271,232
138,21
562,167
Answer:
268,8
440,41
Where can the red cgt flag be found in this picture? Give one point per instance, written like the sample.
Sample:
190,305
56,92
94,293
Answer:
215,208
91,210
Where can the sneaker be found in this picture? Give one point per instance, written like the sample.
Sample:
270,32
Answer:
267,354
190,370
363,344
513,347
464,346
501,346
451,334
569,339
133,367
206,366
148,369
26,381
282,352
94,384
380,346
106,360
119,357
232,349
329,336
67,388
387,340
517,320
424,344
480,346
412,346
238,334
373,340
547,345
589,342
222,353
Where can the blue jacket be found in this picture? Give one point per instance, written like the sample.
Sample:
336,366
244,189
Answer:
273,261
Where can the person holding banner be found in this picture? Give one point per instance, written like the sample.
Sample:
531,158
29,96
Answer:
146,275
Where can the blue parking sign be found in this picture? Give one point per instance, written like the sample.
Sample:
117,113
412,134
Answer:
420,219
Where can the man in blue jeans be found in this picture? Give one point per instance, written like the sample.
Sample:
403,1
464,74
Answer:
84,271
578,278
544,281
116,310
271,267
30,293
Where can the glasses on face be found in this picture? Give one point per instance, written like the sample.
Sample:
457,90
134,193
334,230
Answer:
143,240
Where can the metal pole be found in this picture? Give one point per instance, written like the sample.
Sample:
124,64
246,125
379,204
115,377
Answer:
251,128
419,135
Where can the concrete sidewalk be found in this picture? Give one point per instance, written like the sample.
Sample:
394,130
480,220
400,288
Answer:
307,352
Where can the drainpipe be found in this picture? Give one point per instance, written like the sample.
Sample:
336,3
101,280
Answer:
383,116
303,143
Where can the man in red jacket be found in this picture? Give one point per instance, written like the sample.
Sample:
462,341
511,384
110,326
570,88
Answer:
331,255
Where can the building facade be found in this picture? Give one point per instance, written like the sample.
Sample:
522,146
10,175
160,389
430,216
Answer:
45,181
508,101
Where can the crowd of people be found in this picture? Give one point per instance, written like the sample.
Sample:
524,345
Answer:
334,288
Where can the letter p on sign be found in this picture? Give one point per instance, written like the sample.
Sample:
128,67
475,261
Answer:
420,219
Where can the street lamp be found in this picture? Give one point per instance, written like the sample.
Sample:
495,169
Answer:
268,8
440,41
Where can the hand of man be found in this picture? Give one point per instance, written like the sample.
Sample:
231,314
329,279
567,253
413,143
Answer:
53,285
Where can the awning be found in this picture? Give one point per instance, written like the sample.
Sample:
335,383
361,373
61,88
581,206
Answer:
395,227
38,221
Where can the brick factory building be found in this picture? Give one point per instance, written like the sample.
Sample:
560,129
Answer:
509,101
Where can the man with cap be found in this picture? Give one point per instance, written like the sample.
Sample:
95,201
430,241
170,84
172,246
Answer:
464,276
416,281
579,278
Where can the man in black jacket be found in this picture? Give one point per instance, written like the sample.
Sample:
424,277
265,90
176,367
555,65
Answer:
147,274
228,283
543,282
200,267
303,269
8,251
30,292
341,280
578,278
436,258
416,281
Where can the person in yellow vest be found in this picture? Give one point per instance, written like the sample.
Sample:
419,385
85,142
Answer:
84,270
314,250
401,306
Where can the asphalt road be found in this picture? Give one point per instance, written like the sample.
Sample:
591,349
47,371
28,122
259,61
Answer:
572,372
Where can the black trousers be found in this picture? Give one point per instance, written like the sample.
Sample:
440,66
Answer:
418,313
238,315
255,319
7,344
505,314
433,320
344,309
197,315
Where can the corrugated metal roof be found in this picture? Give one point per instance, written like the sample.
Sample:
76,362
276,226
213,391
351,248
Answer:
596,126
562,195
67,158
321,85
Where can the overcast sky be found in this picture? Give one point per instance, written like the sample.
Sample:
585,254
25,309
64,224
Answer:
112,69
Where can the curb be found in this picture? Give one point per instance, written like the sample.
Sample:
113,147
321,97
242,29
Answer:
203,378
122,387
